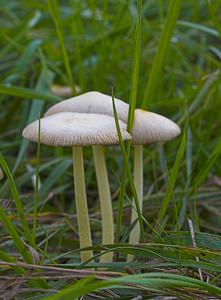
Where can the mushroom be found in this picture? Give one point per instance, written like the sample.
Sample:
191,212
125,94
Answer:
76,130
148,128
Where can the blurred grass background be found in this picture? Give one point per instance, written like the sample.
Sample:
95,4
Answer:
89,45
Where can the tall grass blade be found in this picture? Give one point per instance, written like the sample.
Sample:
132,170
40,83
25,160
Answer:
14,235
19,206
173,178
136,67
154,78
132,106
55,14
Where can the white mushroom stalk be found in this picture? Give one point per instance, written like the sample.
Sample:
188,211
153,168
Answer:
81,203
138,182
105,201
77,130
148,128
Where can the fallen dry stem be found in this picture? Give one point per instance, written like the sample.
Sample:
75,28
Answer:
78,273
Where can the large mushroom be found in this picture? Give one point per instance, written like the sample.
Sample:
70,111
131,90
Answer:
77,130
148,128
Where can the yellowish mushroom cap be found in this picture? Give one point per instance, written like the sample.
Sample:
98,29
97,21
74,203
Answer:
75,129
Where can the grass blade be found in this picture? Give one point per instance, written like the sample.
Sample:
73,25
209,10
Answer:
132,106
158,281
172,179
159,59
136,68
199,27
26,229
14,235
5,257
27,93
54,11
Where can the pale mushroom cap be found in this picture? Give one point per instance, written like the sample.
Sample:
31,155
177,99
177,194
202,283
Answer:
91,102
76,129
150,128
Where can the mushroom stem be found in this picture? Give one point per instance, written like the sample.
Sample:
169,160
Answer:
138,182
105,201
81,203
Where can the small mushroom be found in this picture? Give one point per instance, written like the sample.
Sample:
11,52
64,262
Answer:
76,130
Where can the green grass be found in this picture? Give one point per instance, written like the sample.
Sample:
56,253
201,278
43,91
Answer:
54,11
163,56
160,58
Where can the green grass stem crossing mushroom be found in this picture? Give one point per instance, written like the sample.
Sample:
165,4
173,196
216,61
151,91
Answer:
77,130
